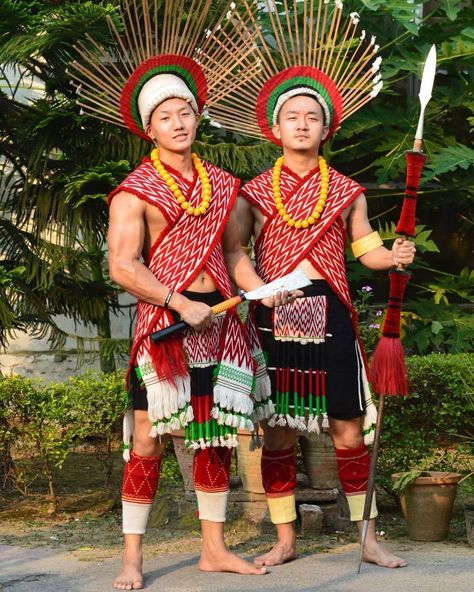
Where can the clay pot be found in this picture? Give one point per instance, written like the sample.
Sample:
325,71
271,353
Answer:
185,457
249,464
319,459
427,505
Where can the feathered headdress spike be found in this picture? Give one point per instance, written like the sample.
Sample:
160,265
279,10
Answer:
197,43
305,44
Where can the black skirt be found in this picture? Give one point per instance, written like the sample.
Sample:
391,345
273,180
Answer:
201,378
316,378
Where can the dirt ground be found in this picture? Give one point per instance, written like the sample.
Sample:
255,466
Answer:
88,520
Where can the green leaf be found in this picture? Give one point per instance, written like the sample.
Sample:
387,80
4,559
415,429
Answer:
450,159
404,480
452,8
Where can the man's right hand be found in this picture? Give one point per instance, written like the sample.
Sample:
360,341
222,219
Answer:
197,315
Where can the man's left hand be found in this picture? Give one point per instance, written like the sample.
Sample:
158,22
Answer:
281,298
403,252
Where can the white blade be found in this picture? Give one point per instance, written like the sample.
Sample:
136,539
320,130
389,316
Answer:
427,80
293,281
428,77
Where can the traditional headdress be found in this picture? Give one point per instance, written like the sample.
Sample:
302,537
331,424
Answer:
302,48
155,58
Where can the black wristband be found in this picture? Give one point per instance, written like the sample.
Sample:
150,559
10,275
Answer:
168,298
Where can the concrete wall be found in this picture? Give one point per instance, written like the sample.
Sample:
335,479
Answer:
32,357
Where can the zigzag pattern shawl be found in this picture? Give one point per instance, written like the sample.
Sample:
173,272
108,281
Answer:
186,247
279,249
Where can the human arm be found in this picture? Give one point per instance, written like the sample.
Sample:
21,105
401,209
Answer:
125,239
239,266
380,258
245,220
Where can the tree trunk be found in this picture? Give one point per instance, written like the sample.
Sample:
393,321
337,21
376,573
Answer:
53,507
6,469
107,362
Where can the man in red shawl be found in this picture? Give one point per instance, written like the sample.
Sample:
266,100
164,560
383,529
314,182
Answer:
174,245
177,212
299,213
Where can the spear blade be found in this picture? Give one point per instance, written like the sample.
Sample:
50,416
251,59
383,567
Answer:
427,81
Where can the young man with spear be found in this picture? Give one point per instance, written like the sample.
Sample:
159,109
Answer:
176,212
299,213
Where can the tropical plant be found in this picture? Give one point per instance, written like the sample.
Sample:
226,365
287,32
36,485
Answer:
58,165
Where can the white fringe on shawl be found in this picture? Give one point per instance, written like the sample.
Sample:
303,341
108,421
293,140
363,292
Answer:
169,406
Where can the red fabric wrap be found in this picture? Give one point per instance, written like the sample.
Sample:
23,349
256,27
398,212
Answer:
186,247
398,282
279,472
211,468
279,249
140,478
406,223
388,372
353,466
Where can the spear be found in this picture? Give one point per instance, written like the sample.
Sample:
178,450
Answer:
388,373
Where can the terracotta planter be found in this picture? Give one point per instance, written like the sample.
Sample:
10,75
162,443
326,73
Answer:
249,464
185,457
427,505
319,459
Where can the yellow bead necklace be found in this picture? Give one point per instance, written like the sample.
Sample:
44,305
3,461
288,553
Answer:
176,191
323,195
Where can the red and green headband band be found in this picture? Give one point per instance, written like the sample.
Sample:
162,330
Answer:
181,66
296,79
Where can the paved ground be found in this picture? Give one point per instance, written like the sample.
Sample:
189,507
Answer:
433,567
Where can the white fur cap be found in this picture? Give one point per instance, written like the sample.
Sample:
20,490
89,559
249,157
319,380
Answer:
302,90
160,88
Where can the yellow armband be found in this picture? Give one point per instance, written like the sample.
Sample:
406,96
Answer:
365,244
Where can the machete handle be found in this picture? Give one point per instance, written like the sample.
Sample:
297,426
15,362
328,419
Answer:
158,336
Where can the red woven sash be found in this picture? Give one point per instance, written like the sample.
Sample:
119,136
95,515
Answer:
279,248
187,246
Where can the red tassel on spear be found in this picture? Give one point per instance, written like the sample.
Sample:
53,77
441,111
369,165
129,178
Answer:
388,374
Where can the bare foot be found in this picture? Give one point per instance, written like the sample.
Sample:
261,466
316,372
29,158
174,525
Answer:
130,576
280,553
375,553
227,561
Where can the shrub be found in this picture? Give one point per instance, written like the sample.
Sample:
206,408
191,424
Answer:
97,404
47,422
36,423
432,427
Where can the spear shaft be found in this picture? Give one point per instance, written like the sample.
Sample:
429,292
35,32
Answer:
388,368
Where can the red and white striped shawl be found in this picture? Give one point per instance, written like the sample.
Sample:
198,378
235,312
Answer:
279,249
188,244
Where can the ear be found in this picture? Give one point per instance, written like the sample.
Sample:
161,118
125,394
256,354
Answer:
325,133
276,131
149,133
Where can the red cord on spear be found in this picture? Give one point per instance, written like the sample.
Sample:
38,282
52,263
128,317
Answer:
388,373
